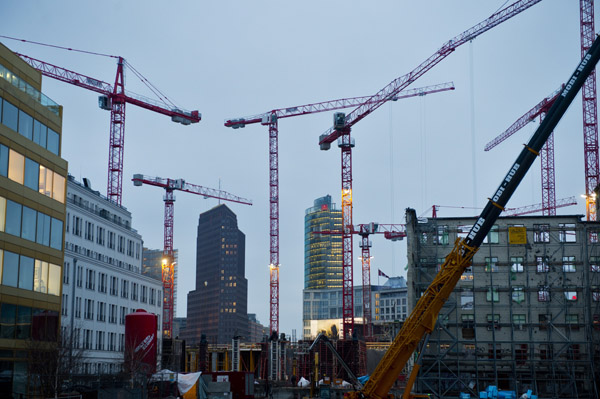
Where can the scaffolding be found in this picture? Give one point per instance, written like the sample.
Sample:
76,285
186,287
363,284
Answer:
526,315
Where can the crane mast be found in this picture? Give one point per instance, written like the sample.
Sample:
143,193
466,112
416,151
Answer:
168,261
424,315
271,119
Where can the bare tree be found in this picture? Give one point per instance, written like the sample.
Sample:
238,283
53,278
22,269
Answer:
135,365
53,361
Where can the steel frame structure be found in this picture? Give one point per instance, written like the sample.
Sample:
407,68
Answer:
168,265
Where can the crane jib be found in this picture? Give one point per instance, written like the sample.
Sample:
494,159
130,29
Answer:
513,178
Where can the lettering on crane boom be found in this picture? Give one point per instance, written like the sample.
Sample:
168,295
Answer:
476,228
507,179
582,65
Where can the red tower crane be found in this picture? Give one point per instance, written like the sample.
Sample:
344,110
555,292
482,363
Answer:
546,155
392,232
270,119
522,210
113,98
343,124
168,266
590,111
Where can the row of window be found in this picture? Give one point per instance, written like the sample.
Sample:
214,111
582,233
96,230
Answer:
103,341
24,322
541,234
100,257
31,274
517,294
468,319
22,221
146,294
25,87
517,265
29,127
29,173
110,239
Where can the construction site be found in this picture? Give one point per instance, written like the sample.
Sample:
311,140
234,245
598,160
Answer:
502,303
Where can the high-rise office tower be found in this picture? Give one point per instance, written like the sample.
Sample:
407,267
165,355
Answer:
217,307
322,252
32,219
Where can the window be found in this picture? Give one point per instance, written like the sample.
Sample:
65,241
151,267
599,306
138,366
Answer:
130,248
25,124
121,247
543,294
13,218
28,228
125,289
516,264
466,299
441,237
595,264
16,167
492,294
568,264
518,294
519,319
491,264
541,233
114,286
542,264
595,293
112,318
567,232
3,159
111,240
492,237
65,300
79,276
144,295
89,231
43,229
122,316
100,235
101,311
78,307
152,296
89,309
10,115
53,142
134,291
90,279
102,283
467,274
66,273
493,321
40,279
571,295
572,319
56,234
40,133
32,174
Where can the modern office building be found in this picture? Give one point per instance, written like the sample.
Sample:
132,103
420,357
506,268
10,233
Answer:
103,280
322,308
256,331
32,218
152,267
525,315
218,305
322,252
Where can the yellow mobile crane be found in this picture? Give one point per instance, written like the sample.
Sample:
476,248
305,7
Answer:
423,317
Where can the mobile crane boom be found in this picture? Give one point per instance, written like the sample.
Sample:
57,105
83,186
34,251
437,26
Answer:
423,317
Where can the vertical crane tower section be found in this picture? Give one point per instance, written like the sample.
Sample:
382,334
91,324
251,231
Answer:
270,119
343,124
168,264
113,98
590,111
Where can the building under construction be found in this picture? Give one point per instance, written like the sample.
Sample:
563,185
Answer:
526,315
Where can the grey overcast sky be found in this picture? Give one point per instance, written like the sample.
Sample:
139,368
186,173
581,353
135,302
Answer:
236,58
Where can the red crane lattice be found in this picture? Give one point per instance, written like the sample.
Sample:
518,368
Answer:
114,98
344,123
168,266
271,120
548,207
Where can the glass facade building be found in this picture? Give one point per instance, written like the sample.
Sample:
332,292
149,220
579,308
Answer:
323,252
32,219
